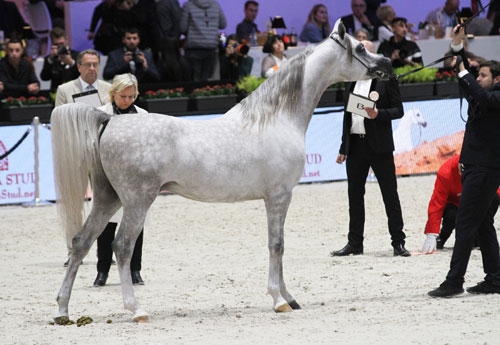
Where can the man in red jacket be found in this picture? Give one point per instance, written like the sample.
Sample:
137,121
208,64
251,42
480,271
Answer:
443,205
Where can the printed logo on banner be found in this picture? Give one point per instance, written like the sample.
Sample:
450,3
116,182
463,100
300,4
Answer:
4,163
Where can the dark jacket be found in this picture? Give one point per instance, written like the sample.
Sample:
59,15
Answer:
379,130
16,82
115,65
481,145
57,72
406,49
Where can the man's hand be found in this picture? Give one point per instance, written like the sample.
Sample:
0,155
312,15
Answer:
33,88
141,58
458,35
430,244
372,112
340,158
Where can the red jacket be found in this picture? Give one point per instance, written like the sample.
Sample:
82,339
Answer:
447,190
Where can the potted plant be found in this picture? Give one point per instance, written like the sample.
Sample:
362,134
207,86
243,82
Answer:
416,85
217,98
22,110
446,83
165,101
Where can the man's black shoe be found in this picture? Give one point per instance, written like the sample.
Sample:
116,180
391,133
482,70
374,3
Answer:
136,278
446,290
400,250
348,250
484,287
101,278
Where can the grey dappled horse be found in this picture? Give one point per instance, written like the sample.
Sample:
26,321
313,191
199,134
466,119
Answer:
254,151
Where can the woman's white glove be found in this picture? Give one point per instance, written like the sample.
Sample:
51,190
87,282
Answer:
430,244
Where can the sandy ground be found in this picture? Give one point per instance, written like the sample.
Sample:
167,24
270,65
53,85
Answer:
205,267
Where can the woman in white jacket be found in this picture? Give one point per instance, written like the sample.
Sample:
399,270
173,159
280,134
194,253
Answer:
123,93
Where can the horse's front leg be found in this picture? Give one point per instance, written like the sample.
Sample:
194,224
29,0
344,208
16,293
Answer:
277,208
123,246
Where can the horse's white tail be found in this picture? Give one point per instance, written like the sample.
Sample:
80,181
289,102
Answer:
75,150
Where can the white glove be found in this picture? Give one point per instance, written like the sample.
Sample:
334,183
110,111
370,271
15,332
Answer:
430,244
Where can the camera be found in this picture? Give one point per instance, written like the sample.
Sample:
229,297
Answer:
242,48
63,50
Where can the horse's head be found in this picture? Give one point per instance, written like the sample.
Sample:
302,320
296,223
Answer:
416,117
374,66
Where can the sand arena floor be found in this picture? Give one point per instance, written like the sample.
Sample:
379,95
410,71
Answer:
205,267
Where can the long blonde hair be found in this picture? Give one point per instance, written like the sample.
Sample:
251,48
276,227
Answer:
311,18
121,82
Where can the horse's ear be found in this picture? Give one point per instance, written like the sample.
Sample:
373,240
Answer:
341,30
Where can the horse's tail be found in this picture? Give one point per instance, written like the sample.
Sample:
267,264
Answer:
75,150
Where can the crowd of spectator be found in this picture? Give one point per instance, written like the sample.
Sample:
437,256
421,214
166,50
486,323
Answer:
162,41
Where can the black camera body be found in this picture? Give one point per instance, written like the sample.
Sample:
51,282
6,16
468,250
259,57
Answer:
63,50
134,55
242,48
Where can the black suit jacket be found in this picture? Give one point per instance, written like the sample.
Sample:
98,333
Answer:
348,22
379,130
481,145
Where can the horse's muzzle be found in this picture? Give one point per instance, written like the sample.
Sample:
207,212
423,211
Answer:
382,69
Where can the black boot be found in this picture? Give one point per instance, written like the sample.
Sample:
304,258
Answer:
101,278
136,278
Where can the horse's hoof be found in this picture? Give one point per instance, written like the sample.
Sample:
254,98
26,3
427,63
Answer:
284,308
294,305
141,319
62,320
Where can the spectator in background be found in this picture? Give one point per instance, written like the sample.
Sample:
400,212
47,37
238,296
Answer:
60,65
275,47
371,10
201,21
16,73
56,10
385,15
130,59
317,26
401,51
11,21
115,17
168,14
88,63
358,18
247,28
446,16
234,62
362,34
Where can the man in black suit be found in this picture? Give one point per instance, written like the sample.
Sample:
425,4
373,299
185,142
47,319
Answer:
358,19
368,142
480,162
131,59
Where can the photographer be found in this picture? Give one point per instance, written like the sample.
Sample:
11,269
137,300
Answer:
60,65
130,59
235,62
401,51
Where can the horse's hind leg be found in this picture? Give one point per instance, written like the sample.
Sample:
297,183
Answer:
81,244
277,208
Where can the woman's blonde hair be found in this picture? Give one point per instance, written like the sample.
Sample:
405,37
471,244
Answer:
121,82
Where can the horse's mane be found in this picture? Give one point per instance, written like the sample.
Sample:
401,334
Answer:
280,93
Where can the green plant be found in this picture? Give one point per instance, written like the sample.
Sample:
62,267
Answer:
425,75
249,83
23,101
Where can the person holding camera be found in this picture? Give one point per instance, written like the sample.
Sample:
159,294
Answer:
130,59
60,65
401,51
235,62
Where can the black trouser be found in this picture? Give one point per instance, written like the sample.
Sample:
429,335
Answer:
448,224
105,250
475,218
359,160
